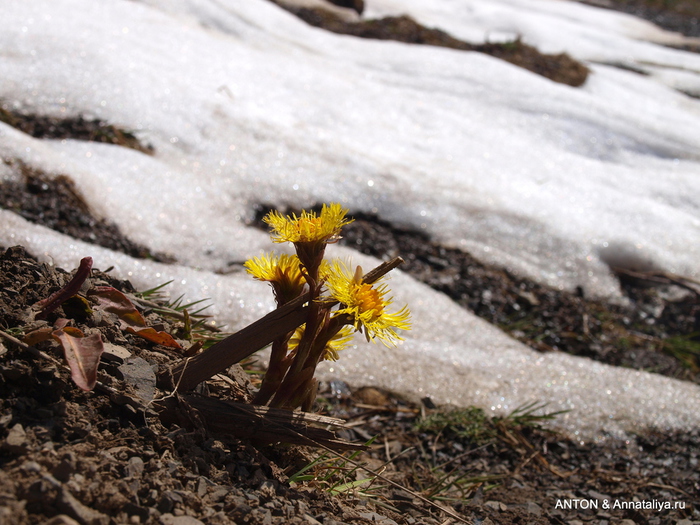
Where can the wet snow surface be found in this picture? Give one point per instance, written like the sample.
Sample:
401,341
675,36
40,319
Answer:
246,105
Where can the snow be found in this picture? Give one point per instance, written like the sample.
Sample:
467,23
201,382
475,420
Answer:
246,105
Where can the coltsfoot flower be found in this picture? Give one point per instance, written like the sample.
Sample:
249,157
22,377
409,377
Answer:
309,227
366,304
283,272
338,342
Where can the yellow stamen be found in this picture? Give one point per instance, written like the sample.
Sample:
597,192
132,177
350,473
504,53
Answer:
368,301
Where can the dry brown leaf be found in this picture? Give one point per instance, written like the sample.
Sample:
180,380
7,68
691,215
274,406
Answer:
82,355
112,300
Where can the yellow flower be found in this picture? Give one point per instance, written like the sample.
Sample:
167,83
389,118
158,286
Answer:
283,272
338,342
367,305
309,227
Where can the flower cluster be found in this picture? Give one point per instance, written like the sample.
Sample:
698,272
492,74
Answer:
341,301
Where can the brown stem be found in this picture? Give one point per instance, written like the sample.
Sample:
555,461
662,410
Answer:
292,390
275,371
217,358
69,290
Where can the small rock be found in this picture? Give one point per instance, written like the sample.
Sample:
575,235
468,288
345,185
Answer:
5,421
372,396
218,494
340,389
428,403
66,467
168,500
267,490
203,484
16,441
169,519
138,373
85,515
31,467
136,511
598,495
115,353
61,519
134,467
377,518
241,512
534,508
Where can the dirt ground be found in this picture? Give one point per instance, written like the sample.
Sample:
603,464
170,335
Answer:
111,456
93,458
682,16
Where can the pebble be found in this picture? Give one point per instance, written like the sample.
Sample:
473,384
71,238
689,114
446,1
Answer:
61,519
496,505
373,517
168,500
267,490
134,467
240,512
68,504
169,519
139,373
135,511
16,440
31,467
203,484
66,467
115,353
534,508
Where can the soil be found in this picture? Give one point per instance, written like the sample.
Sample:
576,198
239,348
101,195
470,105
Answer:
89,457
56,203
559,68
682,16
658,330
79,128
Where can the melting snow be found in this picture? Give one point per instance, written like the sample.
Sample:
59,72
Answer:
245,104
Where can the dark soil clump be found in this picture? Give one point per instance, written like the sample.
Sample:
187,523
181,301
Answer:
559,68
57,204
682,16
78,128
